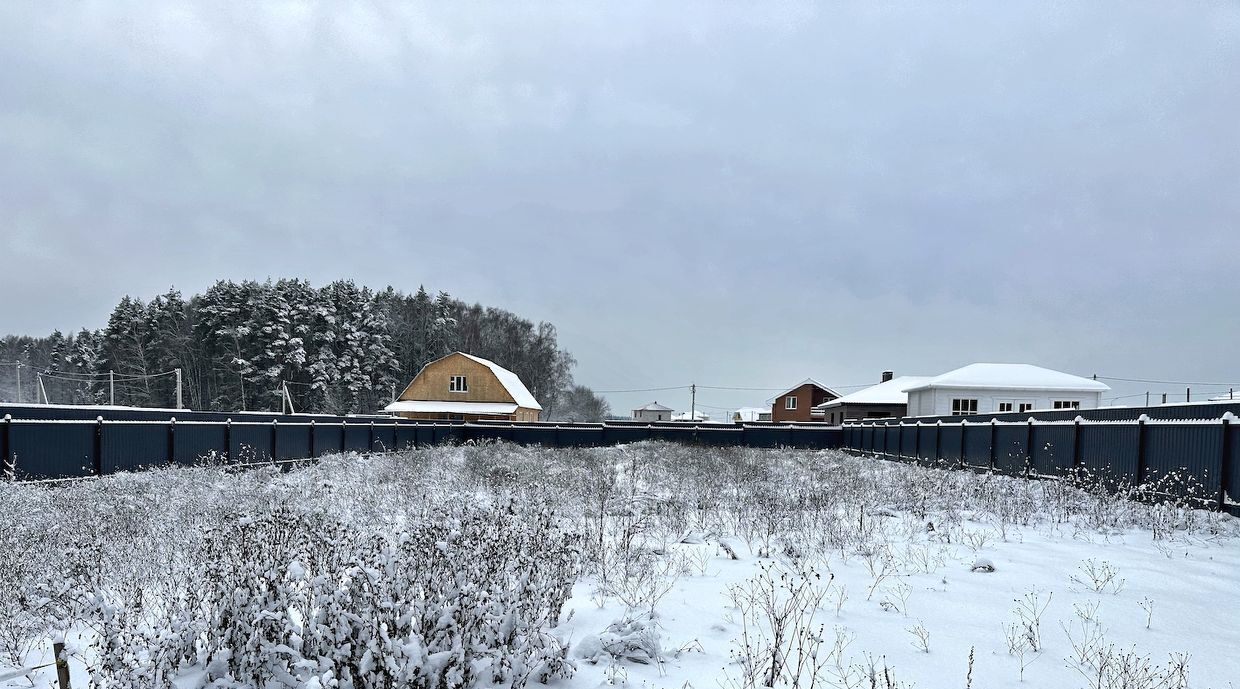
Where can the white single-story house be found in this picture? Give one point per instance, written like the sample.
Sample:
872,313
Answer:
888,399
1000,388
652,412
747,414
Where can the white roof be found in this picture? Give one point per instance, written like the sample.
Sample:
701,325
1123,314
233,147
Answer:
511,383
653,406
752,413
697,416
434,406
1011,376
894,391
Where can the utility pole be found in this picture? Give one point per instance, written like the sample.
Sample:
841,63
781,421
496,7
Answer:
42,389
112,388
1147,398
18,367
179,389
693,402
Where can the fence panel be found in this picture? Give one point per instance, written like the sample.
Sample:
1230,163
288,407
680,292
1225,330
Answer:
127,447
1233,455
927,439
356,437
328,438
196,441
292,441
766,436
52,450
406,436
1110,449
975,441
908,441
546,436
1185,450
951,443
384,437
1011,448
251,442
621,435
449,433
1052,448
582,436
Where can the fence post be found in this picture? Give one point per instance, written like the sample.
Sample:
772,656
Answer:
917,440
1029,449
228,458
62,665
7,466
311,439
370,445
964,433
1141,442
172,442
98,446
1225,465
344,432
994,442
274,423
1076,443
938,440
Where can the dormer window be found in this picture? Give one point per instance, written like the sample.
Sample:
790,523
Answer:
458,384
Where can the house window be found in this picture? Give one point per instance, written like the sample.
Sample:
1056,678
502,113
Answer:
1025,406
790,402
458,384
962,407
1005,406
1066,404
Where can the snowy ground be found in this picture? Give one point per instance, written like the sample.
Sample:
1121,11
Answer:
696,568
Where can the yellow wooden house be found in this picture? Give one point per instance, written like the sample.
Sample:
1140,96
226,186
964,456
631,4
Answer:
463,387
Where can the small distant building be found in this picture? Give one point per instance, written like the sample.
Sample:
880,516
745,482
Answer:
463,387
750,414
698,416
888,399
797,403
652,412
1000,388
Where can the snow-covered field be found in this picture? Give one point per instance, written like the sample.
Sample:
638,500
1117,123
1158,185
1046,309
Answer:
649,565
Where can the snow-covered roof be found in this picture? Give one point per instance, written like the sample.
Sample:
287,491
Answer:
511,382
807,381
894,391
1011,376
697,416
653,406
751,413
440,407
1227,397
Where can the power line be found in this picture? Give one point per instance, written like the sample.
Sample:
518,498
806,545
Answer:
678,387
1164,382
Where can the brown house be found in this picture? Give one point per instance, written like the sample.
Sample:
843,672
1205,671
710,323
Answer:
798,403
463,387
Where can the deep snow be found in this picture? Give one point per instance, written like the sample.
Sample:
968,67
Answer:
896,557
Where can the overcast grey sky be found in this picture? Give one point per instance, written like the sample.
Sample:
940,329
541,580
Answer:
740,194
